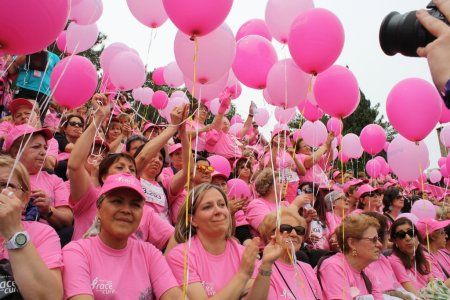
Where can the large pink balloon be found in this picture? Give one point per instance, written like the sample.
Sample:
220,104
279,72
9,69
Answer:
442,161
409,113
73,81
214,106
337,92
423,209
174,102
28,26
261,117
373,168
435,176
254,58
127,71
280,14
238,188
215,54
445,136
406,159
207,92
445,115
309,111
220,164
443,170
236,129
287,84
254,27
372,138
316,40
160,100
158,76
80,38
197,17
384,165
351,146
284,115
173,75
313,133
335,125
109,53
61,41
146,96
151,13
86,12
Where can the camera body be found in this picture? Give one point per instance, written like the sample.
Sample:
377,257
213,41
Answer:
403,33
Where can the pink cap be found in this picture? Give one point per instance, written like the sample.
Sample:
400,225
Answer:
237,160
430,225
217,173
16,103
336,174
122,180
147,126
276,131
174,147
350,183
388,185
365,188
20,130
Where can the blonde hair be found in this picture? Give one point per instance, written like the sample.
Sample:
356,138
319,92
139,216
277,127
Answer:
20,172
191,203
269,222
353,226
264,181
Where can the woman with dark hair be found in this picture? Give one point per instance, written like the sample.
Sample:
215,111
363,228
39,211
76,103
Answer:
409,261
70,130
393,203
115,133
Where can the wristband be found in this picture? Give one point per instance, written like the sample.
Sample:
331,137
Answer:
265,272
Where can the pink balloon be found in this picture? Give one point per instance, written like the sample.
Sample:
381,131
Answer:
423,209
445,115
151,13
447,162
127,71
158,76
220,164
86,12
384,165
73,81
386,146
80,38
137,94
215,54
442,161
413,218
343,157
214,106
287,84
335,125
445,136
316,40
408,113
443,170
310,112
238,188
178,94
314,133
280,14
261,117
160,100
197,17
254,27
373,168
337,92
174,102
406,159
61,41
254,58
173,75
284,115
235,129
28,26
435,176
236,119
372,138
207,92
147,96
109,53
351,146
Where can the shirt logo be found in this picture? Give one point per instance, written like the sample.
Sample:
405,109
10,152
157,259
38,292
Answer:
7,285
104,287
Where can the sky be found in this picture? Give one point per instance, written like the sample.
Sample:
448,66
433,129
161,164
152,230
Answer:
376,72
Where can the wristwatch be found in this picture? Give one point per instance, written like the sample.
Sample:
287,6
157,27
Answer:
19,240
446,94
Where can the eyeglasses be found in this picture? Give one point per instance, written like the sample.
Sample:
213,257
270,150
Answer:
374,239
4,185
76,124
300,230
402,234
205,169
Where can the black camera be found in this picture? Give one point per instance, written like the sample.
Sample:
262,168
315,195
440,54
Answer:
404,33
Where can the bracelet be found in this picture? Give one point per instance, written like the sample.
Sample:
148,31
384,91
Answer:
265,272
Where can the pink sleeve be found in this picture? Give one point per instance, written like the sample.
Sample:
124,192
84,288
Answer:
255,213
399,269
333,278
175,259
76,272
48,245
156,231
86,202
61,192
436,269
161,276
52,148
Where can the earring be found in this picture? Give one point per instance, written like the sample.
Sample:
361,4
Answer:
354,253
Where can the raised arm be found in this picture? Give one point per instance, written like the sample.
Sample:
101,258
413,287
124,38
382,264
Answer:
324,149
248,122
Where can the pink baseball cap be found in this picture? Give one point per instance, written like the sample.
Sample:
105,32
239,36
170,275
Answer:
336,174
20,130
217,173
430,226
278,129
350,183
147,126
16,103
122,181
174,147
365,188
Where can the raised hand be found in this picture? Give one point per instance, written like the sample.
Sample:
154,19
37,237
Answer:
10,214
249,257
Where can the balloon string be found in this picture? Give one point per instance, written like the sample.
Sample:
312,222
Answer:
9,65
149,46
195,58
310,85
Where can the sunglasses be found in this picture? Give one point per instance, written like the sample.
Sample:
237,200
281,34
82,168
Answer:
374,239
205,169
402,234
76,124
300,230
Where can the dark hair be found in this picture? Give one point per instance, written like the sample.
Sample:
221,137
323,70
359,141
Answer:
66,119
161,151
241,162
201,158
422,263
389,195
108,161
383,220
132,139
320,205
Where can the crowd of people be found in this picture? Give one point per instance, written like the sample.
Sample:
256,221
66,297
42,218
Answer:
96,204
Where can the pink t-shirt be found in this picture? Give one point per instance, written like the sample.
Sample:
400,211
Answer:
46,242
84,211
138,271
198,141
384,274
301,279
227,146
52,148
212,271
410,275
341,281
53,186
316,173
443,259
286,165
258,208
5,127
156,198
153,229
333,221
